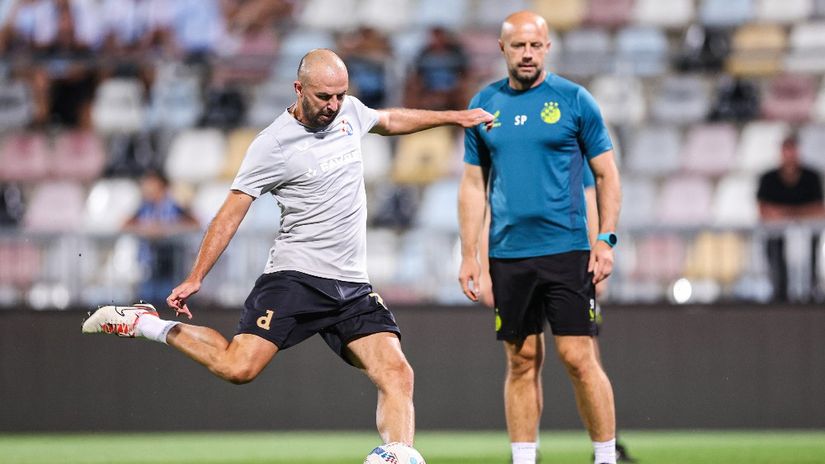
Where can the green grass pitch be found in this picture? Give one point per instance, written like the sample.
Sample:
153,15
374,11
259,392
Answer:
680,447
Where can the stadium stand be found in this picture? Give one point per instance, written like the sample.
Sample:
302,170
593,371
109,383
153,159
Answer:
698,95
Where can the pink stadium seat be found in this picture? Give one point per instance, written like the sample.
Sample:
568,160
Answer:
685,201
609,13
710,149
19,262
660,257
24,157
78,155
789,98
55,207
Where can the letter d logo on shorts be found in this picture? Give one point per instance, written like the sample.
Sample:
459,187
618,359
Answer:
264,321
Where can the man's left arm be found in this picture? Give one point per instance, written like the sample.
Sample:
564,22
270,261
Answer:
609,199
399,121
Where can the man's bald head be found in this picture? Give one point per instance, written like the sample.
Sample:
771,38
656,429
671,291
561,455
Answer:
321,87
524,20
321,65
525,41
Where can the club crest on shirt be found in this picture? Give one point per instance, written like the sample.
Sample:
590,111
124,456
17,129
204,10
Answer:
346,127
551,113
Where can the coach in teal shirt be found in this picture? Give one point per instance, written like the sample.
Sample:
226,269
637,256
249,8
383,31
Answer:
536,151
529,165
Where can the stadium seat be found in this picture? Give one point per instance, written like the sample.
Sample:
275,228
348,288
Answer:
685,201
783,11
208,200
725,13
807,53
710,149
621,99
78,155
716,256
561,15
55,207
654,150
177,102
642,51
757,50
196,155
490,13
609,13
819,104
811,141
661,257
24,157
15,105
110,204
237,142
332,15
587,52
734,203
264,215
271,98
681,99
119,106
20,262
382,256
384,15
760,145
376,153
669,14
789,98
431,13
433,213
641,193
423,157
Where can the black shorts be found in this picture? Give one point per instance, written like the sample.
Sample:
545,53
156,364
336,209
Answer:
556,288
287,307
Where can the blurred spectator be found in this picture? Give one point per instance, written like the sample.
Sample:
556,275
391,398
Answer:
366,53
11,205
158,219
438,81
788,193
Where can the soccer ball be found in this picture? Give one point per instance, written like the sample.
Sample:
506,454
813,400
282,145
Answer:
394,453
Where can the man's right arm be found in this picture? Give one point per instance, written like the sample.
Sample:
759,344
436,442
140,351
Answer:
217,237
472,203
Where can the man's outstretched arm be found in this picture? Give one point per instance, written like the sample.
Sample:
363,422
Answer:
399,121
217,237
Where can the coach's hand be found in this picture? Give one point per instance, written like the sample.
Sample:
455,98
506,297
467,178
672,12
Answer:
468,276
473,117
177,299
601,261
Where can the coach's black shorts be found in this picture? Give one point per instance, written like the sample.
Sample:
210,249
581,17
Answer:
287,307
556,288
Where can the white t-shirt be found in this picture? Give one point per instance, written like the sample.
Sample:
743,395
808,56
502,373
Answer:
316,176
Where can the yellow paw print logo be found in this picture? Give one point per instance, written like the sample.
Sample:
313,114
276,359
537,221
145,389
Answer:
551,113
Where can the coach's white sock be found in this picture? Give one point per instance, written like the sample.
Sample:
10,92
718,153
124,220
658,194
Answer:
154,328
523,453
605,452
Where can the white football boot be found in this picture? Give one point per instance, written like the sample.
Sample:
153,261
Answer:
118,320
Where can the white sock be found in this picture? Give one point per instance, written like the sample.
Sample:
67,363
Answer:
524,453
154,328
605,451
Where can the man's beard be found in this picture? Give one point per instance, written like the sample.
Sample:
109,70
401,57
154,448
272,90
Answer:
315,121
525,79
